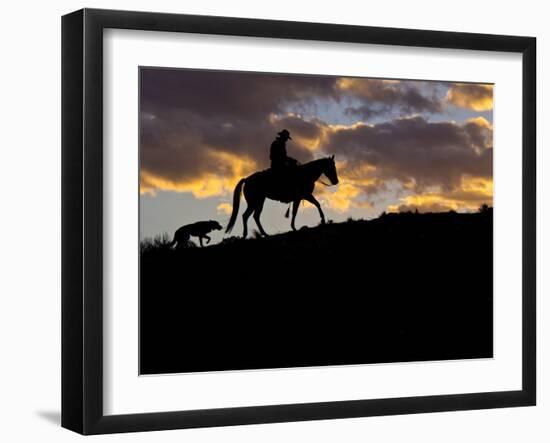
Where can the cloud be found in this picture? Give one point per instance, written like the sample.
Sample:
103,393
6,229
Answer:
375,97
227,95
414,150
471,96
225,208
201,131
224,171
341,198
187,114
469,196
420,162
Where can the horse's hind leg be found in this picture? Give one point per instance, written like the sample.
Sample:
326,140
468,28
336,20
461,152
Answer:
257,212
246,215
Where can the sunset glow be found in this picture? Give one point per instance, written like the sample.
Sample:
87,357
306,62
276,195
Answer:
399,145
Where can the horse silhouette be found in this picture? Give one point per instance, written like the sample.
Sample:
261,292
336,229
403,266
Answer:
293,185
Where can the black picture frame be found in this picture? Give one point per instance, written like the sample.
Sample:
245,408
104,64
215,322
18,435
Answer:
82,219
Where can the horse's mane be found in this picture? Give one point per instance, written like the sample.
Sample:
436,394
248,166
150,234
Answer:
314,162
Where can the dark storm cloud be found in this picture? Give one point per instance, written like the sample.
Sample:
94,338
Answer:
414,150
379,97
229,94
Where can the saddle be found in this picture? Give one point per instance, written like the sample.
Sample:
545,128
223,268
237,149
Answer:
283,185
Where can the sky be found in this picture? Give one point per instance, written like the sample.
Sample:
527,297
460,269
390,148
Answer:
399,145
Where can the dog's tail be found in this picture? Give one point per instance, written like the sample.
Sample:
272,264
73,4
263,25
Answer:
236,203
173,242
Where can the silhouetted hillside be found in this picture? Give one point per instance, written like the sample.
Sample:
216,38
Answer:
398,288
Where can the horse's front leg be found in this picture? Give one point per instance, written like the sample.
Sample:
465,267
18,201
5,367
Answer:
257,213
310,198
295,206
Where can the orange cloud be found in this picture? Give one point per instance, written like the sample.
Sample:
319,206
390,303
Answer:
232,168
362,86
481,121
341,198
471,96
472,193
365,86
361,174
350,192
225,208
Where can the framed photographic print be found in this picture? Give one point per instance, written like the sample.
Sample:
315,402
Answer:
269,221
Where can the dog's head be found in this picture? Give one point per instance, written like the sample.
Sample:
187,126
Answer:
215,225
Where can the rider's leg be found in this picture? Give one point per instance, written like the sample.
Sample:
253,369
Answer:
295,206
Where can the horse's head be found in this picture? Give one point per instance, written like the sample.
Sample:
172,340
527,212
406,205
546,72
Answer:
329,169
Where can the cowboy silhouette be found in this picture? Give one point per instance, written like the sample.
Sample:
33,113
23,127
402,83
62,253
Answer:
277,153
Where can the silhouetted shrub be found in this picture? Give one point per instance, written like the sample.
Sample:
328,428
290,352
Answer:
229,240
484,208
159,242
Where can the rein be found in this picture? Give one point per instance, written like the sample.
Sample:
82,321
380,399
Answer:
319,179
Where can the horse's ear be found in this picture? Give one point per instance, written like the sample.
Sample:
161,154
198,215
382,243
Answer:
332,157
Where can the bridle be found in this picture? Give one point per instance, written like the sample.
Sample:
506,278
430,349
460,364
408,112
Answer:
326,184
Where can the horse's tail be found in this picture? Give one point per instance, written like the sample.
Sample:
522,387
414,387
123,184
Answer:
236,202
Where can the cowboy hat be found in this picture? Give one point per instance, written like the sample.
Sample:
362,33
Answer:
285,133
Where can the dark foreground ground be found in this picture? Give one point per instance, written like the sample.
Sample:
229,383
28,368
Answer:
403,287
